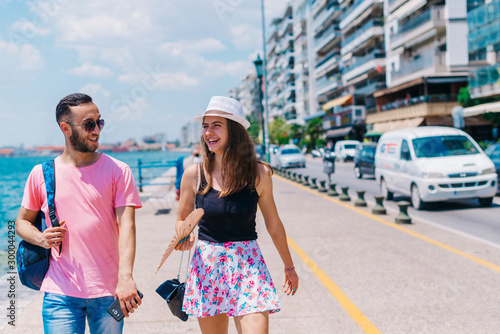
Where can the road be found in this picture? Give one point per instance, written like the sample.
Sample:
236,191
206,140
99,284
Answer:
464,216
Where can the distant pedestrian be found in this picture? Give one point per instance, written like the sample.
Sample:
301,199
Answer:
95,201
196,154
228,276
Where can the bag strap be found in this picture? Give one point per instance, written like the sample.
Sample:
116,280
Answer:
49,175
50,186
189,256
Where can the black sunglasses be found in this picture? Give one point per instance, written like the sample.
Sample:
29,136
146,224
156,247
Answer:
90,126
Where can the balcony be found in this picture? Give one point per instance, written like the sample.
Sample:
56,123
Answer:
325,15
370,88
394,4
325,62
286,27
429,63
484,82
425,106
419,28
326,84
356,10
360,65
366,32
326,37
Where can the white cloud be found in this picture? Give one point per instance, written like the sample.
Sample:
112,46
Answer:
245,36
96,91
160,80
28,29
19,62
179,48
89,70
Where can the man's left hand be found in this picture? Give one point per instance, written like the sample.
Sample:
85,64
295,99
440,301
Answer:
126,292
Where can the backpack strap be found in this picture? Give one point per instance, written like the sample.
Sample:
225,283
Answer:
50,186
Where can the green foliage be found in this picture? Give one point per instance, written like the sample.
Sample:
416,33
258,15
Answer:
254,129
312,134
464,97
279,132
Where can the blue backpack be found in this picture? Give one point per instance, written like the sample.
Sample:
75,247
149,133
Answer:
32,260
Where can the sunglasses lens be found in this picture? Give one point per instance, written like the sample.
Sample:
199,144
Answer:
90,126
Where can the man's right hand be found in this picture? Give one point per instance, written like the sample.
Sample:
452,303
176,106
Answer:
52,236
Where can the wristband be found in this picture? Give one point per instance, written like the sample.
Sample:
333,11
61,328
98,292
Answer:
289,269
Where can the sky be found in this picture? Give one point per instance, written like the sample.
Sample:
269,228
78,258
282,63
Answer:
150,66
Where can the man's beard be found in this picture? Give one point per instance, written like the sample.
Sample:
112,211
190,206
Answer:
79,144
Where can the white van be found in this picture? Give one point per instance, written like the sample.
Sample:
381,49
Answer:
433,163
345,149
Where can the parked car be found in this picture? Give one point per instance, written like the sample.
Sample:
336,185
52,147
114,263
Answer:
290,156
364,159
345,149
493,152
433,163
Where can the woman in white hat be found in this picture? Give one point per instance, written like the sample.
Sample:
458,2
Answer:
228,276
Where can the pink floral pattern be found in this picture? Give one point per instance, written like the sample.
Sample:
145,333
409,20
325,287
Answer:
230,277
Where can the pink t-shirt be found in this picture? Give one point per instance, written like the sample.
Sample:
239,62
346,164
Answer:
86,198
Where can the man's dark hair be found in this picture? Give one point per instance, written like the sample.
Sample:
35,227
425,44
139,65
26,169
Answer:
71,100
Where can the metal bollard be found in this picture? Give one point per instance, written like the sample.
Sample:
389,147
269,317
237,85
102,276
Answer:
294,176
379,209
322,188
288,174
402,217
345,194
313,184
331,191
361,199
299,179
306,180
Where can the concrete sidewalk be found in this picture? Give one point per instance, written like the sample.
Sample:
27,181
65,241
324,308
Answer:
357,271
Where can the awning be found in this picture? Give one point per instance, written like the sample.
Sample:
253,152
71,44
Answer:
398,124
337,132
336,102
398,88
482,109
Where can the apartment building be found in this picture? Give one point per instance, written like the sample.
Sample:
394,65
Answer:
247,93
484,49
280,67
305,97
190,134
325,64
426,63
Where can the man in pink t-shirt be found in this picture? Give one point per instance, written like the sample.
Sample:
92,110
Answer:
95,202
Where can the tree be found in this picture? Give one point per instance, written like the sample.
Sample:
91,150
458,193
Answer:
254,129
279,132
313,133
464,97
296,133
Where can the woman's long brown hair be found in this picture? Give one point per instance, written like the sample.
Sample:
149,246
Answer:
240,166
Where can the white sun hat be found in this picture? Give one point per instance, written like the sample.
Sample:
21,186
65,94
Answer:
226,107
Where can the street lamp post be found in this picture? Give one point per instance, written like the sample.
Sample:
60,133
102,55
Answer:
264,66
258,67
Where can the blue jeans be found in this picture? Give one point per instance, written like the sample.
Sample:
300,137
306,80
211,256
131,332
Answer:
64,314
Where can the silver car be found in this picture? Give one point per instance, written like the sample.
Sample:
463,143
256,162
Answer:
290,156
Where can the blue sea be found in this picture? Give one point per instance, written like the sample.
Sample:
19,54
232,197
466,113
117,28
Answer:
14,173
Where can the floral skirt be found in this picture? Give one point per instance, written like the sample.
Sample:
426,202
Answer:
231,278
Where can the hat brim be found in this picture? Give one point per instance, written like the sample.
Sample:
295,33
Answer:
237,119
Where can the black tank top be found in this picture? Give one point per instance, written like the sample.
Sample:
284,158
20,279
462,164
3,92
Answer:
229,218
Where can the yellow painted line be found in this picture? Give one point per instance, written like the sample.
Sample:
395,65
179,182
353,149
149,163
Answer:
398,227
349,306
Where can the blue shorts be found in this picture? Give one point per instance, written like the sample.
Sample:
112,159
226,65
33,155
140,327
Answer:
64,314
